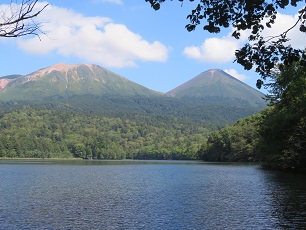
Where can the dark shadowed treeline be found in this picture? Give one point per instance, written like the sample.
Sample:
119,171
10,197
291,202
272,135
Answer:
275,136
234,143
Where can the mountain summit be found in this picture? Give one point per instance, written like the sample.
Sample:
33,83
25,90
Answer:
217,85
213,96
66,80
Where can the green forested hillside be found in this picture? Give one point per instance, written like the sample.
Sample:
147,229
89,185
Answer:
275,136
213,112
66,80
87,111
220,87
283,130
239,142
49,133
93,89
111,127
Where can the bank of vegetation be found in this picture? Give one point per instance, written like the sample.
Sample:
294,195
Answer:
276,136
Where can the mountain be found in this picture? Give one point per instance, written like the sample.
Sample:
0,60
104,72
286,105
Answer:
90,112
219,87
212,97
68,80
10,77
7,79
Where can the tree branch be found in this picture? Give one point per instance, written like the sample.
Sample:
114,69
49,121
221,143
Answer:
19,22
284,34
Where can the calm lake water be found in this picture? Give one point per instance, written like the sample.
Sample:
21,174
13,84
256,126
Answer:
148,195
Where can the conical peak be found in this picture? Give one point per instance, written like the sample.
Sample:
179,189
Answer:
218,84
72,79
212,71
61,67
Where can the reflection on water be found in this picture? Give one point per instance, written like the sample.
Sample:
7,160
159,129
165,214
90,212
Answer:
94,162
288,197
148,195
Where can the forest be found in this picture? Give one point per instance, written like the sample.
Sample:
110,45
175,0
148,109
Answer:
39,133
276,136
146,128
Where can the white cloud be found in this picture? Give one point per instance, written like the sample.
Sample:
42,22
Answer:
235,74
217,50
94,39
222,50
284,22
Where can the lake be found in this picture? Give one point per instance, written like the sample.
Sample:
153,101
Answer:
44,194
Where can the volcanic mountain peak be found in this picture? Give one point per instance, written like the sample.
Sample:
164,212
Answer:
63,68
217,84
66,80
60,67
212,72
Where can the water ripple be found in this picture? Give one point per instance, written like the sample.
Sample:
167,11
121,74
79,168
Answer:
150,196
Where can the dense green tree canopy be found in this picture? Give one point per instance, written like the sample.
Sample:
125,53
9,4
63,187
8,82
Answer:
234,143
283,130
261,52
42,133
276,136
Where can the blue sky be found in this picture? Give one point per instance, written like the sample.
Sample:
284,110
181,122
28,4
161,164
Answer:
149,47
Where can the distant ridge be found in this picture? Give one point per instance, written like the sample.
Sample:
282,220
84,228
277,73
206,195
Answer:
218,85
67,80
213,97
12,76
7,79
